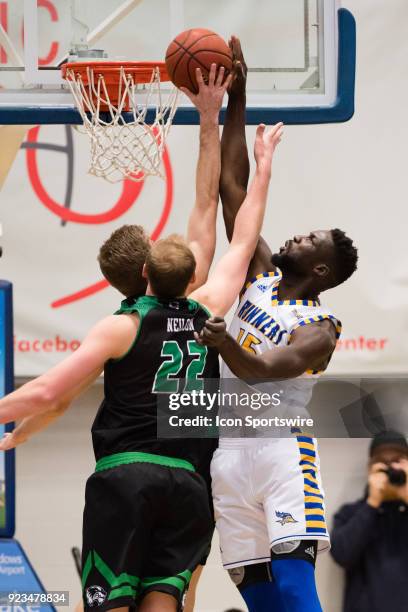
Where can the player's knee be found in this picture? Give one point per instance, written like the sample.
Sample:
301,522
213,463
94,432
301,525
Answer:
304,550
293,565
249,575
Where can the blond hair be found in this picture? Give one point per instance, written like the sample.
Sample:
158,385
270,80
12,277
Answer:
170,266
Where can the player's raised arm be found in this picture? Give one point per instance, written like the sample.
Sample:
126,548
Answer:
223,286
201,233
311,348
110,338
235,162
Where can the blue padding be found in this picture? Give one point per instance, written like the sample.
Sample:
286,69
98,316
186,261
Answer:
17,575
7,386
341,110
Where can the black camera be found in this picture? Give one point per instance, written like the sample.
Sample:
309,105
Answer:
396,477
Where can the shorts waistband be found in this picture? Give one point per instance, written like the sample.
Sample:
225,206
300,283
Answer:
231,443
137,457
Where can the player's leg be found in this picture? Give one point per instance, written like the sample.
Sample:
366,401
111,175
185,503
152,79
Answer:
258,587
158,602
116,533
192,590
181,535
294,508
294,576
242,531
234,152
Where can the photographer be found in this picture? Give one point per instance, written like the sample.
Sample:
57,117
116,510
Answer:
370,536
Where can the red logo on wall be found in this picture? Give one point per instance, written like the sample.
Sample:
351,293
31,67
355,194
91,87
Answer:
128,197
130,189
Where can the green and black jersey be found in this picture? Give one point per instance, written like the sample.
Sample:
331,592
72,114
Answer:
164,353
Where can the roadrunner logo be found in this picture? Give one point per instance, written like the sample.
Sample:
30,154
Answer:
284,518
95,596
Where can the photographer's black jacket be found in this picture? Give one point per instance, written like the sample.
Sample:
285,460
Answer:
372,546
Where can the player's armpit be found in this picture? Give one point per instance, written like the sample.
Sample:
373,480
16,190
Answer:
222,288
261,261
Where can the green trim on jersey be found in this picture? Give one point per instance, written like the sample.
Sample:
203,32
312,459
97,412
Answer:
141,307
145,303
117,459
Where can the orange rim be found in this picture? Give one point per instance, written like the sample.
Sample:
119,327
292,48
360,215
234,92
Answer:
141,72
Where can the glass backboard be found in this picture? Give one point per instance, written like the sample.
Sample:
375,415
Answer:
300,53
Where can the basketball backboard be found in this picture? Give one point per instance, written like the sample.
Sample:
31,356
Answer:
300,53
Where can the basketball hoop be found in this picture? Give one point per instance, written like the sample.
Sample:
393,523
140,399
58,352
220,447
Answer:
125,113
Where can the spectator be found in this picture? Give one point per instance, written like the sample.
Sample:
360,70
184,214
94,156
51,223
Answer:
370,536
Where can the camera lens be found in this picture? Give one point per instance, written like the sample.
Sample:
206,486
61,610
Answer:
396,477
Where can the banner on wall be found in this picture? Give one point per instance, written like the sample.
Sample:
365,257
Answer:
55,219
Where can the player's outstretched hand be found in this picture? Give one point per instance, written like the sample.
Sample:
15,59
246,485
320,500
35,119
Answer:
213,333
266,141
9,441
209,99
239,70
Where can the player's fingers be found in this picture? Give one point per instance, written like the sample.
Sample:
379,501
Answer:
5,442
220,76
260,130
278,136
228,81
275,133
198,338
275,128
212,74
199,79
215,326
188,93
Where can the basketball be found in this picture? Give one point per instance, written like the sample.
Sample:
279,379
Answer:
192,49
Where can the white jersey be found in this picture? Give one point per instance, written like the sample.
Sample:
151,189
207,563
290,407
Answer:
262,322
267,489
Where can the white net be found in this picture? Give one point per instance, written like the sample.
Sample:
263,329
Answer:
128,134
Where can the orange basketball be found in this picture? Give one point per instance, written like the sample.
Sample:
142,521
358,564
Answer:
192,49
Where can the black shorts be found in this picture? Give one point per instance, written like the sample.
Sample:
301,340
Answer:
146,527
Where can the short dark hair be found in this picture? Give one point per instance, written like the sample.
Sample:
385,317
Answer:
345,256
122,257
170,266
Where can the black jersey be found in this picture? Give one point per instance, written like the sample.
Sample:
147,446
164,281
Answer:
163,353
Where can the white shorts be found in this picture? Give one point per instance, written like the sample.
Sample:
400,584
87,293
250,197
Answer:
266,492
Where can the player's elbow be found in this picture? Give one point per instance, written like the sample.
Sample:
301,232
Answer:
292,368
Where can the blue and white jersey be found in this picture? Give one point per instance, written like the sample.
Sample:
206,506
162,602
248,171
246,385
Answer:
262,322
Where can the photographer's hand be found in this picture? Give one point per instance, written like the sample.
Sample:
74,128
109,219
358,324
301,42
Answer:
377,484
